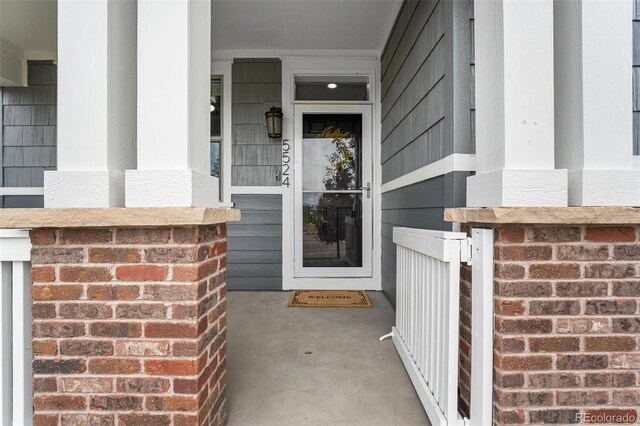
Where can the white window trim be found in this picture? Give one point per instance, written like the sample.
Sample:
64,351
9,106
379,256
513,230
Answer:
223,68
21,190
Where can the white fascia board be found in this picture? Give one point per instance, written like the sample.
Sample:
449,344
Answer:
451,163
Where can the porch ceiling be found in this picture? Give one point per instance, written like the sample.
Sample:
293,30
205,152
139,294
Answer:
294,25
29,24
302,24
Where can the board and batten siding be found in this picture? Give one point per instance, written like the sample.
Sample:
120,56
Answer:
257,86
426,116
28,133
254,245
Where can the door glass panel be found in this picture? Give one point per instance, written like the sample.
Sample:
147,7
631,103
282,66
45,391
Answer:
331,152
331,195
332,229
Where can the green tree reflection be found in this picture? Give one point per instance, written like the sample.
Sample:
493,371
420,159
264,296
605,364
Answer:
340,174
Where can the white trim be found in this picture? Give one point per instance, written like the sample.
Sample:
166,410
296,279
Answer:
256,190
16,402
15,246
232,54
514,92
41,55
224,69
451,163
589,187
305,65
6,353
426,397
22,190
518,188
180,188
22,409
333,103
328,283
70,188
482,332
636,162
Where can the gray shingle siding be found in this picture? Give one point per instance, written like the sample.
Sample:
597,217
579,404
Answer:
257,87
29,133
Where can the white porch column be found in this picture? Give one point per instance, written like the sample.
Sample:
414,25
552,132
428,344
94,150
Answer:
174,54
594,130
96,104
514,107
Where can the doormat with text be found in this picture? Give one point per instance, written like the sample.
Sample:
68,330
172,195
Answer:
329,299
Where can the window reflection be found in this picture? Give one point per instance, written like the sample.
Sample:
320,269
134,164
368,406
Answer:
215,139
332,201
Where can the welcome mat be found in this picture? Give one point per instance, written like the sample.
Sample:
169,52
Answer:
329,299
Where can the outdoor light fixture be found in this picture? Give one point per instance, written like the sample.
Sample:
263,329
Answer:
332,85
274,122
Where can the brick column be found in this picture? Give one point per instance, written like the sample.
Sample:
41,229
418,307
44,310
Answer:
567,327
129,326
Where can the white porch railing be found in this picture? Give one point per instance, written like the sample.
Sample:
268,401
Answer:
16,395
427,319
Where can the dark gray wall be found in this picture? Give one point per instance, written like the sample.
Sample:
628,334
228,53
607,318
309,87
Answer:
472,88
426,113
256,88
29,133
420,205
413,90
254,245
636,77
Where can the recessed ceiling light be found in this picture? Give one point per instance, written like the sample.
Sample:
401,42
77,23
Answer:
332,85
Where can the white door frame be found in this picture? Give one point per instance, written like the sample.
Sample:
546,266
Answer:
364,111
292,66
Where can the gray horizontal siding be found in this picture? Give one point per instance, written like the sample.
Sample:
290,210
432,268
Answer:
413,90
254,245
257,86
472,80
29,133
21,201
416,206
636,77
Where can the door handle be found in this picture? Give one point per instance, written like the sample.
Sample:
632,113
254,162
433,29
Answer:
368,189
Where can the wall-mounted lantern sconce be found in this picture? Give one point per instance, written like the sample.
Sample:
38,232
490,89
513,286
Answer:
274,122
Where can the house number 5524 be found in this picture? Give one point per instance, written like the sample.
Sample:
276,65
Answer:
286,162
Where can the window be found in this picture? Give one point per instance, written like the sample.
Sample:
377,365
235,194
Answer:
220,131
216,125
328,88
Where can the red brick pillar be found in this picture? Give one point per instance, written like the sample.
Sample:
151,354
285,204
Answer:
567,329
129,326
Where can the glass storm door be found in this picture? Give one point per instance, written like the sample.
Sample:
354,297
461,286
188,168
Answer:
333,206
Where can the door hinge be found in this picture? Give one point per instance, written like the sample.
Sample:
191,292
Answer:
466,251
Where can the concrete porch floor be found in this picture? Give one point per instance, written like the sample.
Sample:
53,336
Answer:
350,378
